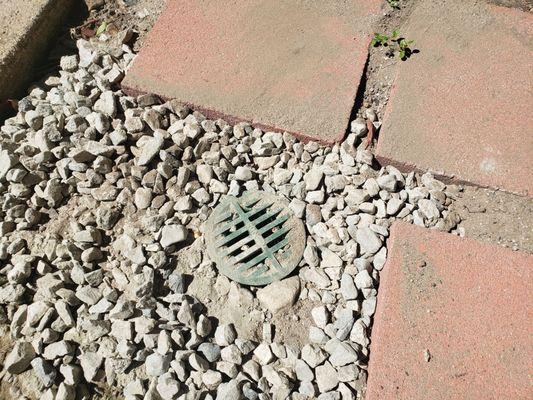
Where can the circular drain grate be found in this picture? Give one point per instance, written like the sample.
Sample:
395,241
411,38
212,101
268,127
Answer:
254,239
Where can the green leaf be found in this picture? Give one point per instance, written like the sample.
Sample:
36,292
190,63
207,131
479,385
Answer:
395,33
101,29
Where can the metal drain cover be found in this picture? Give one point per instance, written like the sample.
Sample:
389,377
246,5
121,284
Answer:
254,239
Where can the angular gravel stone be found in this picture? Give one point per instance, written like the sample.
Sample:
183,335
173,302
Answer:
173,234
19,359
90,364
280,294
326,377
368,240
225,335
263,353
156,364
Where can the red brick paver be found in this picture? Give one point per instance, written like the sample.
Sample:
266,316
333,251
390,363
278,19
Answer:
463,106
291,65
469,304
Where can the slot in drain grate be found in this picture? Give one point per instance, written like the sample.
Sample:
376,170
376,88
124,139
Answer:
254,239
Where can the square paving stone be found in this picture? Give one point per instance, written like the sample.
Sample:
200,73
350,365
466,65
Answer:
453,320
462,107
288,65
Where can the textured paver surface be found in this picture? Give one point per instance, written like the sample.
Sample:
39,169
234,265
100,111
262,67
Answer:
27,31
462,107
291,65
469,304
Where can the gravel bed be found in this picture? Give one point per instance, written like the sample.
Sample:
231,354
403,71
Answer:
104,281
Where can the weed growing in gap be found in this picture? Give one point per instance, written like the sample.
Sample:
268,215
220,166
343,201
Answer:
395,42
394,4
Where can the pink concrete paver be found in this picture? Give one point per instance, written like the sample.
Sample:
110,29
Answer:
463,106
288,65
469,304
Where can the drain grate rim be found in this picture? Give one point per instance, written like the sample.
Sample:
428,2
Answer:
254,239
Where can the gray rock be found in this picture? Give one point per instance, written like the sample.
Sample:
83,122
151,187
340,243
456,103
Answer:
71,373
303,371
280,294
149,149
167,386
156,364
44,371
326,377
243,174
65,392
229,390
363,280
358,127
90,363
369,306
204,173
348,288
264,354
330,259
212,379
342,354
313,178
198,363
19,359
210,351
313,355
368,240
320,316
58,349
429,210
231,354
173,234
387,182
225,334
143,198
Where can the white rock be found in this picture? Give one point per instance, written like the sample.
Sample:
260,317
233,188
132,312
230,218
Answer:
320,316
363,280
149,149
368,240
90,364
263,353
280,294
225,334
326,377
173,234
243,174
167,386
156,364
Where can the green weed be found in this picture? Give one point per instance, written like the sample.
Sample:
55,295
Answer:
394,4
395,42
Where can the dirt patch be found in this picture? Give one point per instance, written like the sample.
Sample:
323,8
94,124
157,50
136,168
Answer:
381,67
524,5
137,15
496,217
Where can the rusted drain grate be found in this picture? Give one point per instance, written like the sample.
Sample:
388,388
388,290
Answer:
254,239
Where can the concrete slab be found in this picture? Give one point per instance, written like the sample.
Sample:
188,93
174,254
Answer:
26,33
462,107
468,304
289,65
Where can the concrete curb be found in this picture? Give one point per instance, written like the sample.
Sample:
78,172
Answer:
30,29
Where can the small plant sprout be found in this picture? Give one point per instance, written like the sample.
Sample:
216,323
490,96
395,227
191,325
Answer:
380,40
394,4
101,29
395,43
